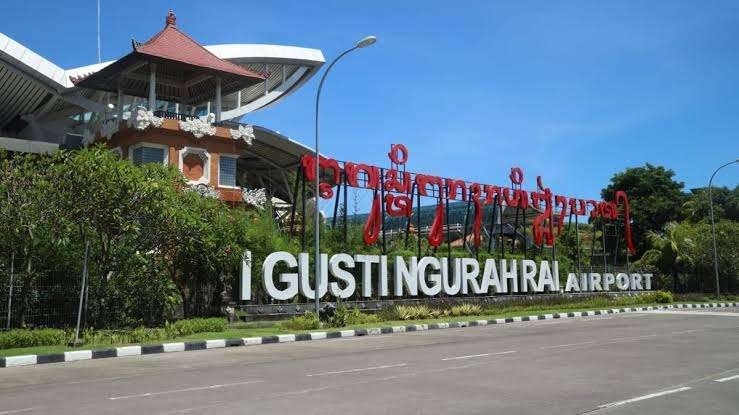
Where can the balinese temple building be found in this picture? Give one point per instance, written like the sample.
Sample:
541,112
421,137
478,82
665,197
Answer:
171,101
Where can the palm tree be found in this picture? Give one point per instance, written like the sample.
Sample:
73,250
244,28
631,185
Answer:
671,249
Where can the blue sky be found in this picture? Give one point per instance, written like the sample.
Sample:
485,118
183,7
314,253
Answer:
573,91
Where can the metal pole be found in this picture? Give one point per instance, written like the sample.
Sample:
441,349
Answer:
82,293
492,225
603,239
382,209
466,222
304,221
317,239
418,221
577,244
592,249
525,237
615,249
554,236
10,289
346,206
408,222
713,226
502,238
298,176
515,227
98,32
336,203
446,213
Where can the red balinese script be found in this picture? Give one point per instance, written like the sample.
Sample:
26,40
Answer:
400,187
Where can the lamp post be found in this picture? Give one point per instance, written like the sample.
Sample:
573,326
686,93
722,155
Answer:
713,225
367,41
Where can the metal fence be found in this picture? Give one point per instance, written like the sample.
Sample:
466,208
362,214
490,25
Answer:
39,298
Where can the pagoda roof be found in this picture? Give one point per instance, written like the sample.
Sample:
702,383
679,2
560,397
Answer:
186,71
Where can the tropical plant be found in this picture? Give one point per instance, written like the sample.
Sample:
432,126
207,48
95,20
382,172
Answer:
655,199
671,249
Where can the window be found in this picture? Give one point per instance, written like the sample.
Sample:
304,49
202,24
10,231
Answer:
227,171
144,154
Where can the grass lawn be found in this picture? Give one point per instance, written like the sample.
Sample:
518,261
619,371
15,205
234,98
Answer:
269,329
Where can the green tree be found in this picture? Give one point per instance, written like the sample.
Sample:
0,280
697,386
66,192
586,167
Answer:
701,251
152,243
567,246
672,250
125,213
725,204
654,196
27,222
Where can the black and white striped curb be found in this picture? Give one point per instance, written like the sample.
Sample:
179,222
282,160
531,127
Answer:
137,350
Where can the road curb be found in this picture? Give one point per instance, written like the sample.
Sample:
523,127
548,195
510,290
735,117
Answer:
137,350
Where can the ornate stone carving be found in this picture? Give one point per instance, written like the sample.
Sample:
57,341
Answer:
204,190
245,132
144,119
256,197
198,127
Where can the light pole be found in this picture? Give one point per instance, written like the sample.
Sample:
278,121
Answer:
367,41
713,225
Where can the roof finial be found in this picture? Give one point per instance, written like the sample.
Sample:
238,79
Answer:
171,18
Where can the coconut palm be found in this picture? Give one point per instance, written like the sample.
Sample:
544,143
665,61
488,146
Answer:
671,249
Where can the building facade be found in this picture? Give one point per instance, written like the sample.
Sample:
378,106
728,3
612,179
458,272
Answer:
171,101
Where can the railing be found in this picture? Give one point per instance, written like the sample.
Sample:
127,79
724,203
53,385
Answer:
227,124
171,115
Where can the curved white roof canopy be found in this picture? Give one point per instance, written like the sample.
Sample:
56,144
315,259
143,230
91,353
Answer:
32,88
286,67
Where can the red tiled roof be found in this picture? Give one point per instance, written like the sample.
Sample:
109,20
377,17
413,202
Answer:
175,45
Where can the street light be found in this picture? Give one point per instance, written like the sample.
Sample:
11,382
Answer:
713,225
363,43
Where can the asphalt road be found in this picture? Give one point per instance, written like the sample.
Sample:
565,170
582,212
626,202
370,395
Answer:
649,363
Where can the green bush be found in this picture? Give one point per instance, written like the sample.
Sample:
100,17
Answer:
465,309
409,312
146,335
198,325
308,321
355,317
30,338
663,297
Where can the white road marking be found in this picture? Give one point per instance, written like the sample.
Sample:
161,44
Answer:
566,345
381,379
644,397
17,411
687,331
478,355
197,388
348,339
727,379
626,339
357,370
698,313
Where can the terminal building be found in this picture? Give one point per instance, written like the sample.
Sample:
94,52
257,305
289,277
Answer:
170,100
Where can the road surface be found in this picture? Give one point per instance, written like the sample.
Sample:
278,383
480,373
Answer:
645,363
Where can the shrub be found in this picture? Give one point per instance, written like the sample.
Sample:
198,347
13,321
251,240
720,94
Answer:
663,297
90,336
308,321
197,325
465,309
343,316
146,335
354,317
409,312
30,338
